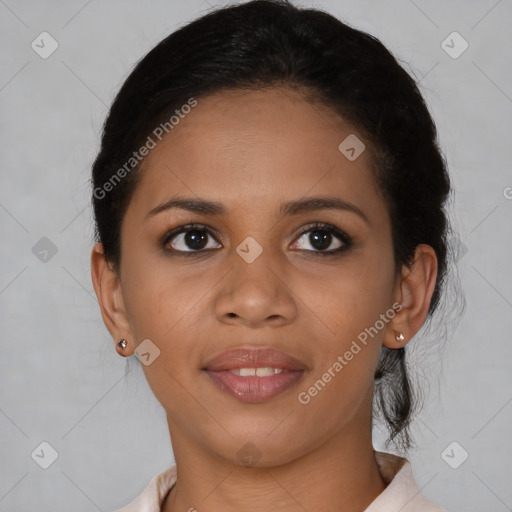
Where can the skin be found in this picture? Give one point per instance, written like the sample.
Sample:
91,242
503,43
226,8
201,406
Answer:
251,151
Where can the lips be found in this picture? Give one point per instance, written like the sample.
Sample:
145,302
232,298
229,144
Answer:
254,358
254,375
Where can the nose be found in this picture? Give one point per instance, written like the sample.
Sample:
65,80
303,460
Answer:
256,293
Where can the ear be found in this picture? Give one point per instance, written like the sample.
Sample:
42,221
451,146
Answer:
413,289
110,297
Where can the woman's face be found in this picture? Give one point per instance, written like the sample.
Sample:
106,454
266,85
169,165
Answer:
255,283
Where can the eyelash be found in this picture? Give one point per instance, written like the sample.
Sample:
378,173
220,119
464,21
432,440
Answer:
317,226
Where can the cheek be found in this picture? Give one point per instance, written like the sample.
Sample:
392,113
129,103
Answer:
347,352
168,309
156,297
162,307
352,297
355,303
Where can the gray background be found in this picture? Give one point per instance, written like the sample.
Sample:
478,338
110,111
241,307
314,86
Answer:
61,379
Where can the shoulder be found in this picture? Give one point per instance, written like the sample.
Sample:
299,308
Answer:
153,495
402,492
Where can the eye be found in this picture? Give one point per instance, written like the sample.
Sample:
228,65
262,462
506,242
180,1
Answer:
321,237
192,236
193,239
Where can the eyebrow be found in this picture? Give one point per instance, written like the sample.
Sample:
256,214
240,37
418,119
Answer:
308,204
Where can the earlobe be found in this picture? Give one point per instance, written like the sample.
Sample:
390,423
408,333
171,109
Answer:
414,291
108,291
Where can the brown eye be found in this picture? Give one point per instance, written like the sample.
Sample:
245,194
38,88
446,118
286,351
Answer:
324,239
189,239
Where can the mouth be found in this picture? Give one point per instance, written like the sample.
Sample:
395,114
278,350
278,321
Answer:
254,375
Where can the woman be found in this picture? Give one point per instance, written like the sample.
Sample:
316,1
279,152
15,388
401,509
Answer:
271,234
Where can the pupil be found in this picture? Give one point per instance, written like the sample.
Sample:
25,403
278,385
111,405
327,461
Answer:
195,239
323,241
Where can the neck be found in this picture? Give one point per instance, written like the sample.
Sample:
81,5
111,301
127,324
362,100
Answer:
341,472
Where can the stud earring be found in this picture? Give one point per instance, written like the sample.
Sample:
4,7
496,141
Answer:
400,337
122,343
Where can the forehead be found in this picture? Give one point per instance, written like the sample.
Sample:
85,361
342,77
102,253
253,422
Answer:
256,148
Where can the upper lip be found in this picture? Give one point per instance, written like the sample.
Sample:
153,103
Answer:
247,357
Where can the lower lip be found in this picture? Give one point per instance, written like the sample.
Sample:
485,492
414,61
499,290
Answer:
254,389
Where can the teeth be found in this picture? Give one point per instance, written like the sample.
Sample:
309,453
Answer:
266,372
259,372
